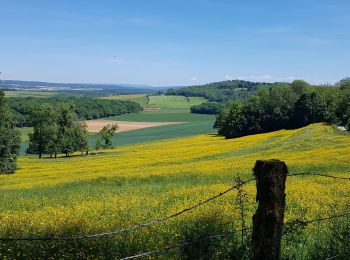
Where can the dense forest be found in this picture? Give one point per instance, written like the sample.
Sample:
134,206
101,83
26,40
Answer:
85,108
285,106
220,91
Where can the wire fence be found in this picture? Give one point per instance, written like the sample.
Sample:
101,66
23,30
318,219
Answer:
159,220
218,236
194,206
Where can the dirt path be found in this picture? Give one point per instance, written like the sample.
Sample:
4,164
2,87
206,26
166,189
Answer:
94,126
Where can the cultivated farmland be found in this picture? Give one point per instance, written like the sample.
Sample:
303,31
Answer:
28,93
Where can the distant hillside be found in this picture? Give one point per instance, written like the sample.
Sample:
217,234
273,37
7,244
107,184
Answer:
220,91
74,89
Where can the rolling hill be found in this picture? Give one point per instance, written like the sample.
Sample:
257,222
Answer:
138,183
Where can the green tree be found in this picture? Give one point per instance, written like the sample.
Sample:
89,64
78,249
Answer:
321,105
81,137
231,122
44,137
9,139
106,135
343,111
344,83
300,87
72,135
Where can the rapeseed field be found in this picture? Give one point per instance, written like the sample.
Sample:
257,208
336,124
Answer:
135,184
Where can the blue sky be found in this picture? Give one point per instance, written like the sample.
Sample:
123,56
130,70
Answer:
174,42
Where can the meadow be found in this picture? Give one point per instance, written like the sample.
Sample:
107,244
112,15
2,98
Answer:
160,101
134,184
139,98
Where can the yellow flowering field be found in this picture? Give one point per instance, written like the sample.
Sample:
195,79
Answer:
134,184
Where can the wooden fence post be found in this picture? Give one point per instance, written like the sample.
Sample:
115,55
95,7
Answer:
268,219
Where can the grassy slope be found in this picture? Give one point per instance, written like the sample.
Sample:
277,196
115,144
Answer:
138,183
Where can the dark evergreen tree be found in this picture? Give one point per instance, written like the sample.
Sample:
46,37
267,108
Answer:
9,139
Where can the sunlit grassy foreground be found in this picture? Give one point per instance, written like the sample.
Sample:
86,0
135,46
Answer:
138,183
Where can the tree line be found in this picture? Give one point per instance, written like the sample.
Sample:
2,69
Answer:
85,108
210,108
286,106
220,91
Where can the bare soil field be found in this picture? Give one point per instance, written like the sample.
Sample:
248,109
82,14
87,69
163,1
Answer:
94,126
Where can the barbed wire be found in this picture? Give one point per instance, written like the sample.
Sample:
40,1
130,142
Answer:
172,246
159,220
306,222
169,247
333,257
319,174
108,233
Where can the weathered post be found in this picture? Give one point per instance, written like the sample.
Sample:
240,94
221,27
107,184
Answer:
268,219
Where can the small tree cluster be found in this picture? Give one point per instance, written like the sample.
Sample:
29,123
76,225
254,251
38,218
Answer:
105,137
285,106
9,139
210,108
57,132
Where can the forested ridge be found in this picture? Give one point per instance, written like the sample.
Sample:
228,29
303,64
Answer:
220,91
285,106
85,108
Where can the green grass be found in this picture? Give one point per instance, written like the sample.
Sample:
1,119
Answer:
152,134
22,93
138,98
161,101
175,102
165,115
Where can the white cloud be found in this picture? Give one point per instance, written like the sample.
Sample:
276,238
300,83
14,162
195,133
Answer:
194,78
